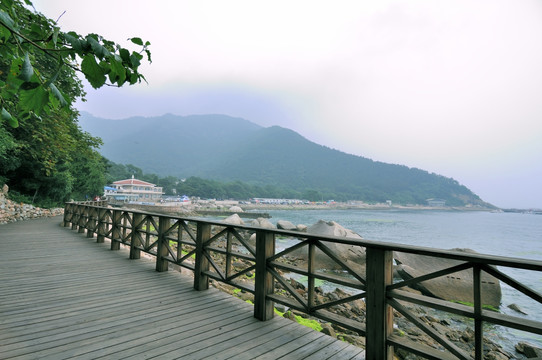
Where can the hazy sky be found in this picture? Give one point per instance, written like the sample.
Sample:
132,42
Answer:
450,86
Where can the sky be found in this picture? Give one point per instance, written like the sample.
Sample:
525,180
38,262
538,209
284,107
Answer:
453,87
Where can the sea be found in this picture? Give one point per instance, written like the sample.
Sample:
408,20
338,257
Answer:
517,235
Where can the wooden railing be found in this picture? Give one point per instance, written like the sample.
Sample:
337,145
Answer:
226,253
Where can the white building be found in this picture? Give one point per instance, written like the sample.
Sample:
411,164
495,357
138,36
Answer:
133,190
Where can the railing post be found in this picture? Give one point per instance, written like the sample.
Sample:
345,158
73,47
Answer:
201,281
263,285
478,324
67,212
76,214
101,225
115,229
161,250
135,236
91,222
379,320
83,219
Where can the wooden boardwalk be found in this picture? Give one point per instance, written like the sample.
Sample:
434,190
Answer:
63,296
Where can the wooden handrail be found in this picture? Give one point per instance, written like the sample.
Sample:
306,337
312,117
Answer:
178,240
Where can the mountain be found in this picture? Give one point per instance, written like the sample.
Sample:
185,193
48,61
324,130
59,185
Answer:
224,148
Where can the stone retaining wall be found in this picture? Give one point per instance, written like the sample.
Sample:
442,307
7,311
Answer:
11,211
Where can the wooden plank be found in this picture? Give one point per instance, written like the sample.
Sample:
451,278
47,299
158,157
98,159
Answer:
286,336
237,341
310,348
291,346
43,344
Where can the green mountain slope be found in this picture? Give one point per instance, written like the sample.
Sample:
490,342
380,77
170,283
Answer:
228,149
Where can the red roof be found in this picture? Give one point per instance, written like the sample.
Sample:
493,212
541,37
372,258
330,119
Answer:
132,182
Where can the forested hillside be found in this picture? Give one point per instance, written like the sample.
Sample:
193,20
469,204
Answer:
218,147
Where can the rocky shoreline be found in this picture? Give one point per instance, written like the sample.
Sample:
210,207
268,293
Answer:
11,211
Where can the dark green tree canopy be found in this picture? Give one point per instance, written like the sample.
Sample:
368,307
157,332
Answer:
28,40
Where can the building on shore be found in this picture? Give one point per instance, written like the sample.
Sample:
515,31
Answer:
133,191
436,202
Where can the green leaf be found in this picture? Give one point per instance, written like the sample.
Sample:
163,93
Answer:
55,75
118,72
26,69
29,85
6,19
55,35
93,72
137,41
4,34
34,100
98,49
74,41
58,95
125,55
135,59
6,116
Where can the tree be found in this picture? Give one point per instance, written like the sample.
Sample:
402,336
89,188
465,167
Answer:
44,154
26,89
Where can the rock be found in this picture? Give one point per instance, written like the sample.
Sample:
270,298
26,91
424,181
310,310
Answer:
234,220
456,287
236,209
530,351
302,228
11,212
353,256
281,308
331,228
496,355
328,330
358,341
516,308
263,223
285,225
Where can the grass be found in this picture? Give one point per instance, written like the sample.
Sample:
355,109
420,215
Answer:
313,324
486,307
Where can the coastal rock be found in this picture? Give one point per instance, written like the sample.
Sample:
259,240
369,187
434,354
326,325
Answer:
234,220
456,287
516,308
328,330
263,223
530,351
286,225
302,227
331,228
236,209
352,256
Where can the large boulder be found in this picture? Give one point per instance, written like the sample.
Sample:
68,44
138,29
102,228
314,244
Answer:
234,220
263,223
286,225
235,209
353,256
453,287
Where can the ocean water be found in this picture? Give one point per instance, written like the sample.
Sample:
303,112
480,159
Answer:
505,234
